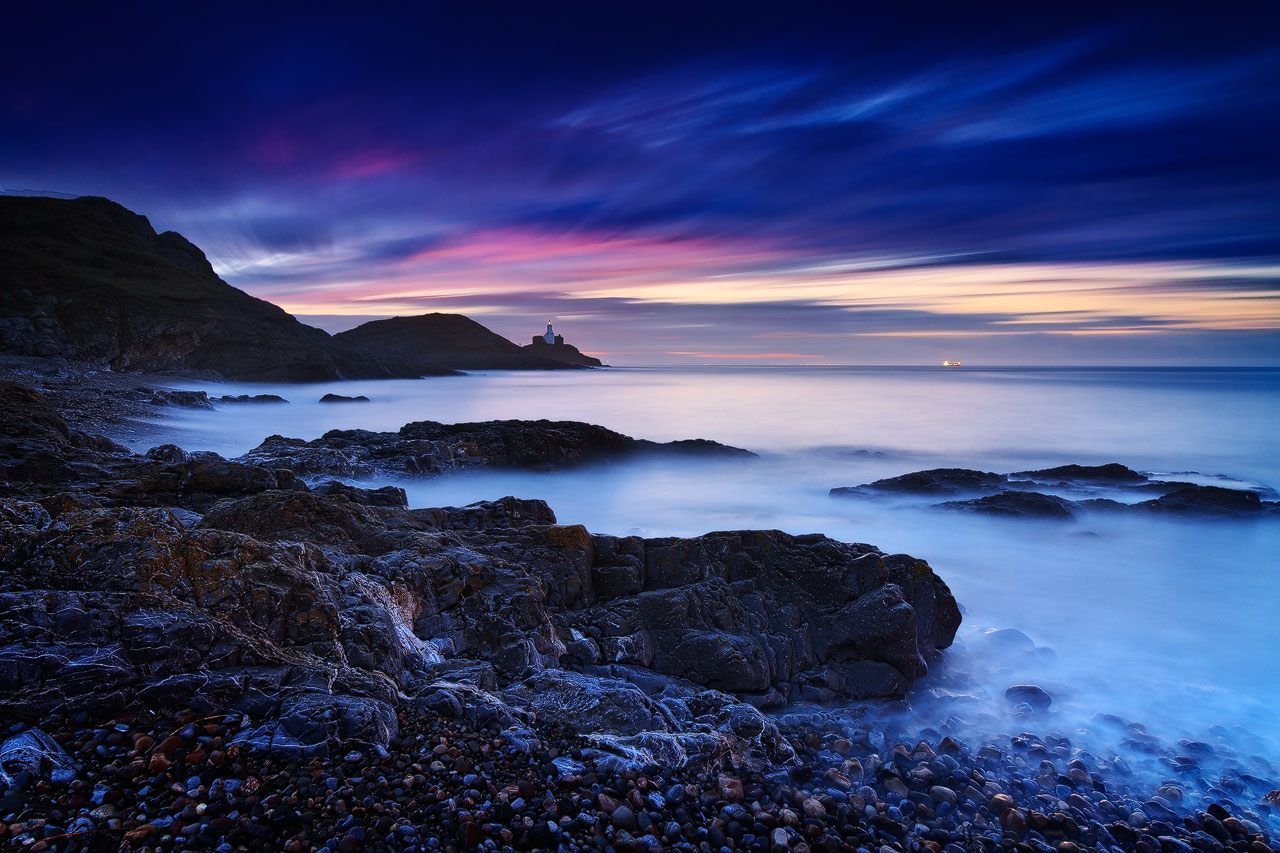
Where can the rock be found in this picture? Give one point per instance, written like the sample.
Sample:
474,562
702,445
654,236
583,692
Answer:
935,481
169,453
255,398
1017,504
35,753
566,353
339,398
318,615
1113,473
182,399
388,496
431,448
1031,694
1206,500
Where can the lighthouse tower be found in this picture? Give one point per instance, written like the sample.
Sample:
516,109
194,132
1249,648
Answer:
549,338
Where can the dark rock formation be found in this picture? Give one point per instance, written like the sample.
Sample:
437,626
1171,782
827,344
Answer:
1206,500
567,353
935,481
1014,494
256,398
182,399
1018,504
317,614
87,279
430,448
1113,473
442,343
340,398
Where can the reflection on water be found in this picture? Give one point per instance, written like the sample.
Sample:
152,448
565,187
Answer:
1168,622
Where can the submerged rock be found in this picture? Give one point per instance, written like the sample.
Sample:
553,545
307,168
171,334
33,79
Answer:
1206,500
1018,504
256,398
935,481
1016,494
340,398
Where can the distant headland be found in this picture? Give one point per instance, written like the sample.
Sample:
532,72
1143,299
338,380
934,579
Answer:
87,279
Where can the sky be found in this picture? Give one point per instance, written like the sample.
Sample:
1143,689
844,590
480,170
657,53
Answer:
695,183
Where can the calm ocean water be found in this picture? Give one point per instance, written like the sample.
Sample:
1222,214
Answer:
1172,623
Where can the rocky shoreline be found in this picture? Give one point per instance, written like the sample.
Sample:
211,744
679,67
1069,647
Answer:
200,653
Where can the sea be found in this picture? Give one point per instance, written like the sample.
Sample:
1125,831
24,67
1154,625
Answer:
1167,627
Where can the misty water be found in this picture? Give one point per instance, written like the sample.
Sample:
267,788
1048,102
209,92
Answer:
1170,622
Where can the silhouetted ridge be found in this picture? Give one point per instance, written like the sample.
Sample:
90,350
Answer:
431,342
89,279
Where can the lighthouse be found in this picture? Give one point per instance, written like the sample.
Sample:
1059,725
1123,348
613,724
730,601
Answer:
549,338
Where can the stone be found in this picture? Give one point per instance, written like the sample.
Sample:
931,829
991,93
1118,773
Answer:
1031,694
1018,504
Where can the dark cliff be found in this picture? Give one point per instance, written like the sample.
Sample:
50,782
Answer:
90,280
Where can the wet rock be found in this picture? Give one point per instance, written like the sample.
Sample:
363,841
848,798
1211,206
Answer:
1206,500
431,448
256,399
37,755
182,399
341,398
935,481
1031,694
1017,504
1112,473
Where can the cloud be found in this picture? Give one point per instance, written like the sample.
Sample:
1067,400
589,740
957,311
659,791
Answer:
859,172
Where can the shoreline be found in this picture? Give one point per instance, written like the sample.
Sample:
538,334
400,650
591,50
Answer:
853,787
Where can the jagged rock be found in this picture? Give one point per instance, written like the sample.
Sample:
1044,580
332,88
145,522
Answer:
339,398
392,496
1018,504
182,399
37,754
430,448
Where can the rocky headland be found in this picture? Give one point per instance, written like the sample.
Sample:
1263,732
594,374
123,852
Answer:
436,343
1066,491
90,281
